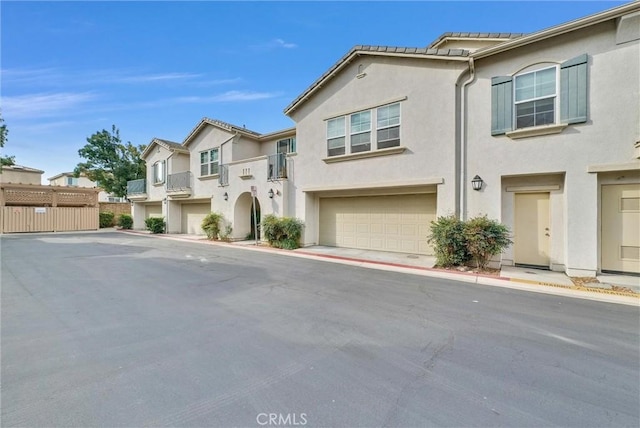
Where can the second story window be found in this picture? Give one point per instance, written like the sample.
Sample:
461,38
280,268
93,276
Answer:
288,145
360,132
72,181
209,162
388,126
535,98
158,172
335,136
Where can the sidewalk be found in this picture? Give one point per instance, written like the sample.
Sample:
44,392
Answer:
610,288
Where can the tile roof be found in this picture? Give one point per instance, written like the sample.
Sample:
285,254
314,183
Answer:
505,36
22,168
170,144
230,127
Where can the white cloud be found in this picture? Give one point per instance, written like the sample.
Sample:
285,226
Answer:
275,44
146,78
230,96
43,104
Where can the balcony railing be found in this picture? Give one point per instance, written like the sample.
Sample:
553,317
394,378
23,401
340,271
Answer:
137,187
277,169
179,181
223,177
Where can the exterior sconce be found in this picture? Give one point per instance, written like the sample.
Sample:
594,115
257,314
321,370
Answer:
270,193
226,196
477,182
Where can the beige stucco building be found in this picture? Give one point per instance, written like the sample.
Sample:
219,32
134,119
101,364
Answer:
68,179
389,138
20,174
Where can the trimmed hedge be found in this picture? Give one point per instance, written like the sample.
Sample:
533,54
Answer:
155,224
105,219
282,232
457,242
125,221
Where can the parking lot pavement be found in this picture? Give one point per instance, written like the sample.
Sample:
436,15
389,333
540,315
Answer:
110,329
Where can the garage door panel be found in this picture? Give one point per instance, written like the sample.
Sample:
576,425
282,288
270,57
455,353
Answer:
620,209
387,223
152,211
192,216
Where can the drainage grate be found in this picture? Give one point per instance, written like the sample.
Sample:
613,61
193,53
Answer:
413,256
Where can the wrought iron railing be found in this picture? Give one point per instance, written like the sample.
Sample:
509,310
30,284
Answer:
277,169
223,175
137,187
179,181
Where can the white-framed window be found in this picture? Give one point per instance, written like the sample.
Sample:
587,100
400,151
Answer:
287,145
209,162
158,172
72,181
336,136
360,136
535,97
388,126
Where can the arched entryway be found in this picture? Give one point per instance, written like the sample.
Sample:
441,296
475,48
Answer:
243,213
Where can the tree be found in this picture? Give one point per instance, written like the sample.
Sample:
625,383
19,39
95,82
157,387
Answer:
111,163
4,131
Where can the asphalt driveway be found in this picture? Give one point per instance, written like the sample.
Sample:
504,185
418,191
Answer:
109,329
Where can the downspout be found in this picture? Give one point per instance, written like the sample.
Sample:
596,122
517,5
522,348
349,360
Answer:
463,142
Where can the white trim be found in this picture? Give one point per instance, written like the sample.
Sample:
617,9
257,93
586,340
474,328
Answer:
363,155
367,107
533,189
432,181
613,167
534,131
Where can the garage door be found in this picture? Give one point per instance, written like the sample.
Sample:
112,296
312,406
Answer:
192,216
621,228
397,223
153,211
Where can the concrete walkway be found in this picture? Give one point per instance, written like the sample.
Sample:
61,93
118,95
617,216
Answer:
536,280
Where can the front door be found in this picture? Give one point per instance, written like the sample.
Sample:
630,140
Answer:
532,231
620,208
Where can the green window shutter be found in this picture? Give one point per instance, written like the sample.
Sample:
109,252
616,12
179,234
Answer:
501,105
573,90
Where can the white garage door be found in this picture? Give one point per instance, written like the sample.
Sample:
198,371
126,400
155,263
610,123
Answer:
398,223
192,216
152,211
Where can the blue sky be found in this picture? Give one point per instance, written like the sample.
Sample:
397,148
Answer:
154,69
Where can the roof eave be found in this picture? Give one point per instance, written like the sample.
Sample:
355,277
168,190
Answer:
558,30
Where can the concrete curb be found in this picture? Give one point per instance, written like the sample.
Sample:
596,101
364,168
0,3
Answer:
494,281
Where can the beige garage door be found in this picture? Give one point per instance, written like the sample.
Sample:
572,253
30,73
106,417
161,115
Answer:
385,223
153,211
192,216
621,228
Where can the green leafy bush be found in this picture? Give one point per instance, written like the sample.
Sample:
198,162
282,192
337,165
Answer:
212,224
447,237
226,235
155,224
125,221
106,219
282,232
485,238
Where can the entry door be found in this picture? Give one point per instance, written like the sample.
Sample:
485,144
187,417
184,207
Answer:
621,228
532,231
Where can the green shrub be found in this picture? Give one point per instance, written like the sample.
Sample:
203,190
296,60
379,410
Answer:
447,237
212,224
226,235
106,219
155,224
485,238
125,221
284,232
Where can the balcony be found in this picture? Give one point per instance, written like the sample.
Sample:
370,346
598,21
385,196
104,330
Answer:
137,190
179,184
277,169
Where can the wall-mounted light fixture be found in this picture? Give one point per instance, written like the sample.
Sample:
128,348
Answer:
477,182
270,193
226,196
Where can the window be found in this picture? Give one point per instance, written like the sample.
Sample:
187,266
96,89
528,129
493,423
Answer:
288,145
336,136
72,181
209,162
158,172
360,132
535,98
545,96
388,126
